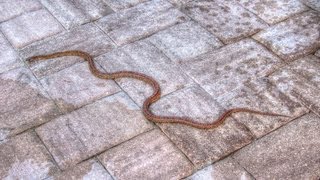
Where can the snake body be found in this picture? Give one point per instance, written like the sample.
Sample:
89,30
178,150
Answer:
154,97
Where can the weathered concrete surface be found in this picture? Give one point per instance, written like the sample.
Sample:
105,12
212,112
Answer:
9,58
88,38
140,21
30,27
226,19
23,102
143,57
123,4
90,169
202,147
292,152
75,13
148,156
184,41
294,37
274,11
13,8
314,4
224,169
25,157
92,129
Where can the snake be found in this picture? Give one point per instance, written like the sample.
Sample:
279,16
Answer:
155,96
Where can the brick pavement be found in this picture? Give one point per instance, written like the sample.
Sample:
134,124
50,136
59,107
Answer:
57,121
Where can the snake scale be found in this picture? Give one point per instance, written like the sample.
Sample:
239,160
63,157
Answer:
154,97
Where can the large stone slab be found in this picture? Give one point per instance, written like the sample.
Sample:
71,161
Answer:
184,41
143,57
92,129
13,8
314,4
30,27
292,152
124,4
9,59
274,11
202,147
224,169
23,102
149,156
74,13
25,157
294,37
140,21
226,19
88,38
76,86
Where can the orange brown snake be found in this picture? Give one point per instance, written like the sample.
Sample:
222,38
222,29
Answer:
154,97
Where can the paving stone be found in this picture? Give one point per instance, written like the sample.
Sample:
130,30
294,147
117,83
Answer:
23,102
9,58
13,8
25,157
140,21
90,169
88,38
149,156
294,37
75,86
74,13
314,4
124,4
301,80
147,59
274,11
292,152
203,147
92,129
224,169
185,41
30,27
227,20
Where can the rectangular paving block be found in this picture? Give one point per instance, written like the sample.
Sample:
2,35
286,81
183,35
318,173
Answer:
76,86
202,147
292,152
25,157
149,156
9,59
123,4
140,21
13,8
30,27
226,19
92,129
274,11
75,13
88,38
23,102
294,37
184,41
143,57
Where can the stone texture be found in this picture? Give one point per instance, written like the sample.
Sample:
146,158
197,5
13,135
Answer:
275,10
24,157
140,21
92,129
224,169
185,41
23,102
301,80
226,19
146,59
9,58
202,147
314,4
13,8
124,4
317,53
90,169
294,37
75,86
74,13
88,38
148,156
292,152
30,27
